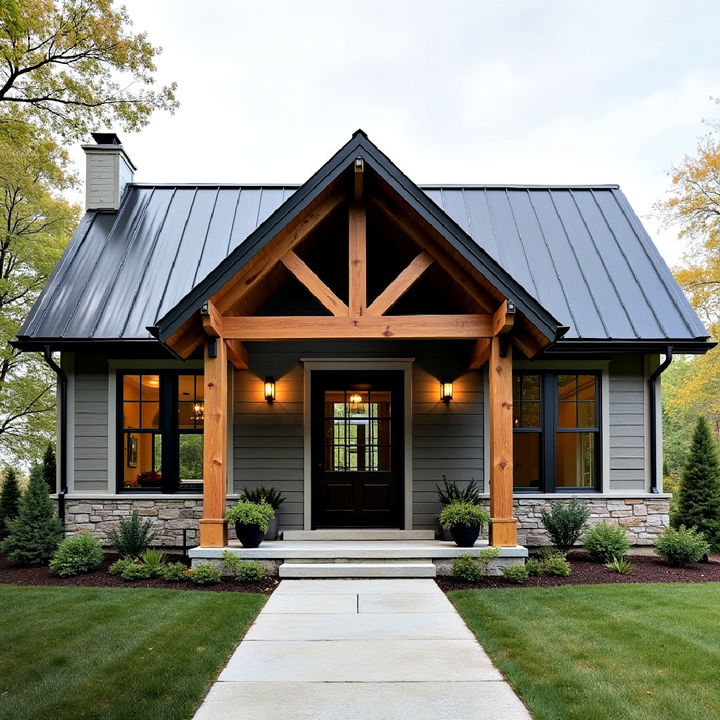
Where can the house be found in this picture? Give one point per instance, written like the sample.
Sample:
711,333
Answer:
349,341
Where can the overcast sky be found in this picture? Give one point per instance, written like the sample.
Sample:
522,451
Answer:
453,92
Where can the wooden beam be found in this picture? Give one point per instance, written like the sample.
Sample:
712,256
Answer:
359,172
187,338
322,293
357,254
440,327
480,353
400,285
503,318
237,354
211,319
213,528
503,528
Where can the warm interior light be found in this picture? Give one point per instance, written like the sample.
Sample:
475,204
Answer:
198,411
356,404
446,391
270,389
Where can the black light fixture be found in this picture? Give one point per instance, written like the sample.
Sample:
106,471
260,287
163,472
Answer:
270,388
446,390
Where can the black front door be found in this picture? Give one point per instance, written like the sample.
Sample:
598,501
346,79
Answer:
357,449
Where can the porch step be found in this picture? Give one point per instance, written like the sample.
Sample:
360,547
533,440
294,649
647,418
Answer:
357,570
334,535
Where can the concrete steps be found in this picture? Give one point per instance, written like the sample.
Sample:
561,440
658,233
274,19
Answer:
379,569
349,535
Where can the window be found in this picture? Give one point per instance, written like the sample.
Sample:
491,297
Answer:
556,439
160,438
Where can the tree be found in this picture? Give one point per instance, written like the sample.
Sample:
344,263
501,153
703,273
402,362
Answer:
9,500
699,497
75,65
33,536
50,468
35,224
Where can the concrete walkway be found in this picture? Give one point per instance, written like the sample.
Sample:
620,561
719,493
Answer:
360,649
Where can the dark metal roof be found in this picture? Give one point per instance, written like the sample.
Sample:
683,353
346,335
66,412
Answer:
578,253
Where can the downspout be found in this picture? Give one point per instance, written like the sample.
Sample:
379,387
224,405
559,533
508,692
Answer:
654,420
62,377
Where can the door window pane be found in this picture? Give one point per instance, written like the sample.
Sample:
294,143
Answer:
575,460
526,460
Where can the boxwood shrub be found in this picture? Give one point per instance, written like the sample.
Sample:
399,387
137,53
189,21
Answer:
681,547
605,542
76,554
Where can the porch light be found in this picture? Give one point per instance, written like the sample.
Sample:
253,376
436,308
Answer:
270,388
446,391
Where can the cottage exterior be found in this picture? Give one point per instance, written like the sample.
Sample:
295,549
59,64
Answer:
357,297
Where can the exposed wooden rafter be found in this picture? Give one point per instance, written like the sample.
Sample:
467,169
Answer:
504,318
237,354
401,284
322,293
480,353
357,255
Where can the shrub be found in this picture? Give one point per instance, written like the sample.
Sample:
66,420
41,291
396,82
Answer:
153,560
472,568
699,497
271,496
534,567
33,536
204,574
242,570
556,564
133,536
76,554
119,566
458,514
173,572
135,570
250,513
517,574
9,500
605,542
565,522
619,565
681,547
450,492
49,467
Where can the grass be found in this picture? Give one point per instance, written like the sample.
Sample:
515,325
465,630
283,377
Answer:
71,653
627,652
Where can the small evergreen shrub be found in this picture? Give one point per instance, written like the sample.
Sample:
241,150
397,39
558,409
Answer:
9,500
33,536
534,567
556,564
242,570
605,542
565,522
250,513
205,574
119,566
472,568
681,547
50,468
517,574
133,536
173,572
271,496
619,565
76,554
153,560
463,514
136,571
450,492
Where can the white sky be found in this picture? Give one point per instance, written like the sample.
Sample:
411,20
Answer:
475,92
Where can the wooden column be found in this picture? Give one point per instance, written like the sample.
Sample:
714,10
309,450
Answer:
503,530
213,528
357,292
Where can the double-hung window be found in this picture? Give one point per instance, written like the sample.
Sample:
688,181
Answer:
556,438
160,437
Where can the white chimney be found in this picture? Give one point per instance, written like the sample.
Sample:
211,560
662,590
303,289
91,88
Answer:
108,171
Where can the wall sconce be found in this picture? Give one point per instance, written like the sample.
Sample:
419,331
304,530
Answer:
270,388
446,390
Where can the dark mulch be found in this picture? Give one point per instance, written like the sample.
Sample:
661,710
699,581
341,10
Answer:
12,575
645,569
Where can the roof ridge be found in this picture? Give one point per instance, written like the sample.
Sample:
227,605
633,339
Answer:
422,186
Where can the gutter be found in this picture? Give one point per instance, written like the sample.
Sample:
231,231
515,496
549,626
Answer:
654,420
62,377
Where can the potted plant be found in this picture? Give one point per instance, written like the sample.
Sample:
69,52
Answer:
251,521
450,492
274,498
464,520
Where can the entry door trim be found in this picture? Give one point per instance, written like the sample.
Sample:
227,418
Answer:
357,364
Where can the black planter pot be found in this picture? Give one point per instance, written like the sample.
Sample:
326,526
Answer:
273,529
250,536
465,535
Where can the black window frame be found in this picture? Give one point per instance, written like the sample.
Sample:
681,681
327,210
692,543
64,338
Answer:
168,428
549,429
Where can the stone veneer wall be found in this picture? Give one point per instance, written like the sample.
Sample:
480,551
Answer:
643,518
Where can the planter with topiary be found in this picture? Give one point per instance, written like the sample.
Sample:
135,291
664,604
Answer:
251,521
451,492
464,520
274,498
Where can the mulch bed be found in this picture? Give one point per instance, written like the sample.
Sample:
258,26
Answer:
12,575
645,569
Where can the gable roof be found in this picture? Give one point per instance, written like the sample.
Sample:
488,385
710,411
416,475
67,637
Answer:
571,255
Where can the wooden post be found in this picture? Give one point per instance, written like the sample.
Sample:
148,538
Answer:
213,528
503,530
357,300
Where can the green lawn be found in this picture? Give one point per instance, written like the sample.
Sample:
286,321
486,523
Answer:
71,652
604,652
